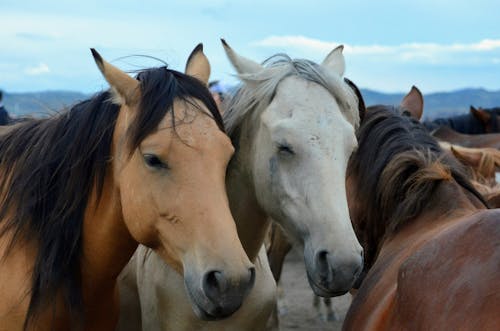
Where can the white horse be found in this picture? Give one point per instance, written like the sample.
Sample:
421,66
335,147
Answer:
292,123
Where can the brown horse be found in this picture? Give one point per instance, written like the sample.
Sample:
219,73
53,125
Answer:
143,163
446,133
432,248
488,117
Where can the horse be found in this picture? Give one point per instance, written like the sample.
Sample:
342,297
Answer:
488,117
448,133
483,163
431,245
143,162
293,124
477,121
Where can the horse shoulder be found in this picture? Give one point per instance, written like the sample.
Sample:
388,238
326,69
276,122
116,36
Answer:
453,281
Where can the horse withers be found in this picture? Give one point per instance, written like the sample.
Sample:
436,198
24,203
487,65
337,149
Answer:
431,245
144,162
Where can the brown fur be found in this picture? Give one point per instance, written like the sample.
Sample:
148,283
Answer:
468,140
435,248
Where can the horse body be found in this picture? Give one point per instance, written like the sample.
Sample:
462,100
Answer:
477,121
293,131
467,140
81,189
467,124
425,278
432,248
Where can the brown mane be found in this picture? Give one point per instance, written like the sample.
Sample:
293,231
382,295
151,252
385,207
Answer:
396,170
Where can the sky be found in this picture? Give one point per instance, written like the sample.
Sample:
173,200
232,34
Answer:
437,45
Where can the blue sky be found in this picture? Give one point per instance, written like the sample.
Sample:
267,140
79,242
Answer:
438,45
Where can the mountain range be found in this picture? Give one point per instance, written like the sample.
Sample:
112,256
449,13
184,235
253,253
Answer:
441,104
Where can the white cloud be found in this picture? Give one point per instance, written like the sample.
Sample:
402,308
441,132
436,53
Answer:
40,69
406,52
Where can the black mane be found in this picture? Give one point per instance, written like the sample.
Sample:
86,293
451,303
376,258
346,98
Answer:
396,168
50,167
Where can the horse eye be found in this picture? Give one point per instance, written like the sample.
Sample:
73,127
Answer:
285,149
154,161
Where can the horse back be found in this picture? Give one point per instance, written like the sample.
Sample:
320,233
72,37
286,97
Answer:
453,281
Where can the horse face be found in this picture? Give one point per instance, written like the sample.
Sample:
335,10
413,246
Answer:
174,201
304,143
173,197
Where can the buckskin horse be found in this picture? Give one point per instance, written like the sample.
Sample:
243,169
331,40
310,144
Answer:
144,162
292,123
432,248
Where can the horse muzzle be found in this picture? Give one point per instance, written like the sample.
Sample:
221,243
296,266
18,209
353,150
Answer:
331,274
216,295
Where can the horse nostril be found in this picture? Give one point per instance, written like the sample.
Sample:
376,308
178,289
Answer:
251,281
322,265
214,283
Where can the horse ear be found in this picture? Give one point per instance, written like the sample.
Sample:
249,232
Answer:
335,61
481,114
361,101
493,199
414,103
125,89
197,65
241,64
468,156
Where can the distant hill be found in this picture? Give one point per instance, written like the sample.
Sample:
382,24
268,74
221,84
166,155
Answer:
440,104
40,103
436,104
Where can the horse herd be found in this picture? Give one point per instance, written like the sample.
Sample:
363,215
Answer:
146,207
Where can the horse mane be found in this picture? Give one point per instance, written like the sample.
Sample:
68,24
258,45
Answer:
399,165
50,167
490,161
259,89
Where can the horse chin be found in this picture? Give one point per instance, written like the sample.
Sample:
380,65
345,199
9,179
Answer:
321,291
203,314
199,304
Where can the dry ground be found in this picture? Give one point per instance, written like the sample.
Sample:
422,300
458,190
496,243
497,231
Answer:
296,301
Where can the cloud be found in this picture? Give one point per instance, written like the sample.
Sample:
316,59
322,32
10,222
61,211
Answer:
406,52
40,69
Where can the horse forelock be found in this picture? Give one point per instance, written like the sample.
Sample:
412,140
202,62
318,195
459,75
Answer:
396,168
258,89
51,166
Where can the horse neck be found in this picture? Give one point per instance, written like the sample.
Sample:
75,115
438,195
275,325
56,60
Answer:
449,202
251,221
107,244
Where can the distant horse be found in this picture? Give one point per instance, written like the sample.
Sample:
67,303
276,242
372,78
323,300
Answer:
432,248
144,163
489,117
448,133
477,121
293,125
467,140
482,164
